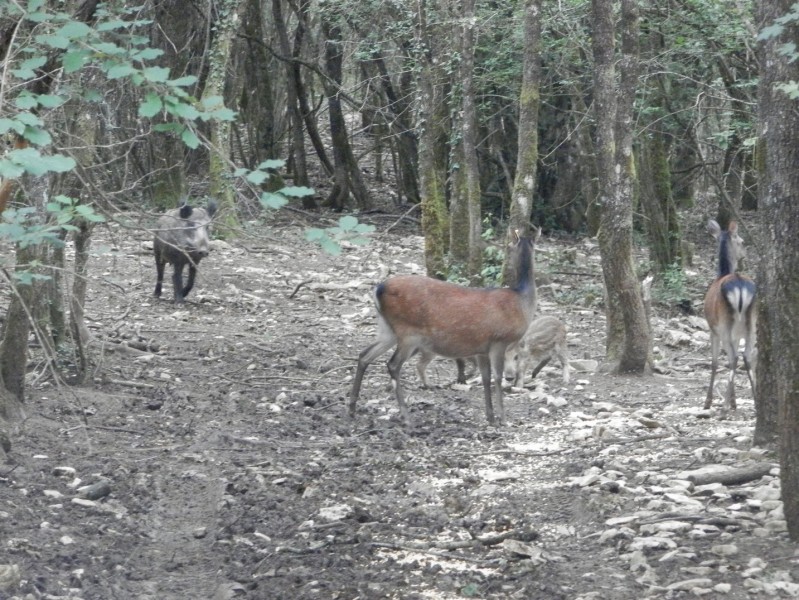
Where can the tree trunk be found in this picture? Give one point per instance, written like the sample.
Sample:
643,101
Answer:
432,152
308,114
256,100
471,167
297,147
628,334
220,185
521,206
779,301
657,202
347,174
406,143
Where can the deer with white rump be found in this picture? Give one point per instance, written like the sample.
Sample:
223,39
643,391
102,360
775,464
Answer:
421,314
730,311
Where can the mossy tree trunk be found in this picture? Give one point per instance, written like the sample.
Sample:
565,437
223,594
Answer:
627,331
432,150
524,182
220,185
777,163
471,167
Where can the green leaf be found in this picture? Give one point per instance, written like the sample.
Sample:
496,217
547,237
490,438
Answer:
54,41
75,29
27,69
108,48
297,191
147,54
213,102
156,74
10,170
50,100
190,138
313,234
120,70
183,81
57,163
151,106
185,111
34,5
29,118
74,60
223,114
770,32
331,246
37,136
112,25
272,164
273,201
26,101
347,222
257,177
11,124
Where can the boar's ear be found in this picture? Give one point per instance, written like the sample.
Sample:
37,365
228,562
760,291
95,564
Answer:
211,208
185,211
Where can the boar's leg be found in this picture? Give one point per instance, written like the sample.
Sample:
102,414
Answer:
177,282
159,268
190,282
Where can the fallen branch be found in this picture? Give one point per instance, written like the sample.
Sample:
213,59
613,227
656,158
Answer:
728,476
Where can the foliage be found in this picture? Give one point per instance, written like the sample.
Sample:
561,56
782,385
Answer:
672,287
348,230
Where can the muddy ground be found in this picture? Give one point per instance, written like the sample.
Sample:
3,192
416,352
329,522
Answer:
222,464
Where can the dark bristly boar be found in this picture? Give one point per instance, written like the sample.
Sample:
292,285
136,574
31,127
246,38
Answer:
182,237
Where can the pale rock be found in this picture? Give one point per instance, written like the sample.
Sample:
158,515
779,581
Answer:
583,365
767,493
770,505
722,588
66,540
697,322
761,532
622,533
753,585
676,338
684,500
498,475
652,543
638,562
558,402
84,502
666,527
53,494
725,549
698,571
486,490
580,435
683,484
336,512
776,525
688,585
621,520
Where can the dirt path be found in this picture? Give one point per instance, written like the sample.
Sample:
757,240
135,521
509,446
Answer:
234,472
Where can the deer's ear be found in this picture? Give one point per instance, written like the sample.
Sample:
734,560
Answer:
714,228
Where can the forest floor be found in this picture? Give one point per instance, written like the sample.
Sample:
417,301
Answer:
220,461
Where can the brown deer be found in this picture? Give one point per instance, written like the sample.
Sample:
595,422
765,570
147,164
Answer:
421,314
730,311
